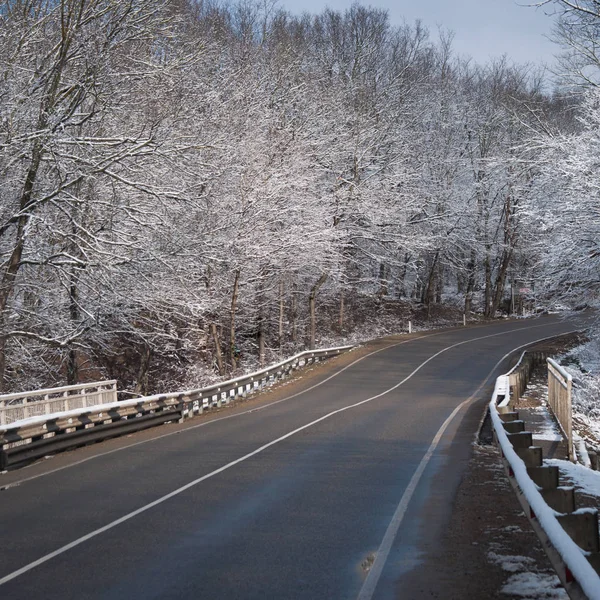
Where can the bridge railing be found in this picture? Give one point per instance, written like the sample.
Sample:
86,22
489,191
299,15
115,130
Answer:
39,435
16,407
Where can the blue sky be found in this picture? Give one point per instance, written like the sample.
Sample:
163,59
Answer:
483,28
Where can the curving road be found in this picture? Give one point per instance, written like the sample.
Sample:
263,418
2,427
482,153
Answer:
349,471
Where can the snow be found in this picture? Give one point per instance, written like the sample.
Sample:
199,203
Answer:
512,564
526,584
512,529
503,389
548,430
535,586
517,365
582,453
579,476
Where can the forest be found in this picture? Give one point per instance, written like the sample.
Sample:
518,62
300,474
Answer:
192,188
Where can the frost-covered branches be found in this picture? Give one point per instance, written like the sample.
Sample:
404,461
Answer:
577,31
191,183
568,205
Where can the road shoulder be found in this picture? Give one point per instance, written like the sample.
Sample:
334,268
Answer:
488,549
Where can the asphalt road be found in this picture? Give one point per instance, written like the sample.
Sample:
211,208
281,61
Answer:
292,498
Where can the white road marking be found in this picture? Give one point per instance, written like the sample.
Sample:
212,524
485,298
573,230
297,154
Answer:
262,448
368,589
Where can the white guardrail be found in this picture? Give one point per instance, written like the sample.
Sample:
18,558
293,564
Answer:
16,407
570,561
36,436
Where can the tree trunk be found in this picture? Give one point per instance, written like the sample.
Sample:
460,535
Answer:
509,240
429,292
488,283
383,281
311,307
234,299
461,281
341,316
294,318
261,321
500,281
470,283
13,264
75,316
401,290
281,313
260,339
2,365
141,385
218,354
72,368
440,285
417,292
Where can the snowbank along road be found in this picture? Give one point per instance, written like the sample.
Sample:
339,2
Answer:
319,494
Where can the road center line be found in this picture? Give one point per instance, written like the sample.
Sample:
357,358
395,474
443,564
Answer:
262,448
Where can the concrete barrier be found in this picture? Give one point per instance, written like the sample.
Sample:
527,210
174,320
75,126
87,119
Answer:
524,439
531,456
545,477
514,426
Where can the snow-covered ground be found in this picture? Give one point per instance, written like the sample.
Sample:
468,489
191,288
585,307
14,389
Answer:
583,363
524,581
538,586
547,429
582,478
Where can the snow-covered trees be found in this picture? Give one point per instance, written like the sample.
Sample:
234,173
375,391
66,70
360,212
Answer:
565,202
567,205
191,183
576,32
80,129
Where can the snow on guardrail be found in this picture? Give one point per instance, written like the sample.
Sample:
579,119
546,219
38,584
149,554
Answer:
36,436
579,573
221,387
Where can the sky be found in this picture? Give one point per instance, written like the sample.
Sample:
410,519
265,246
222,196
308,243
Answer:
483,29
